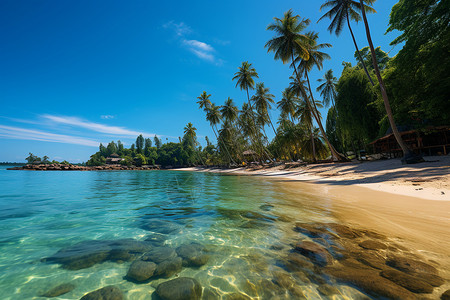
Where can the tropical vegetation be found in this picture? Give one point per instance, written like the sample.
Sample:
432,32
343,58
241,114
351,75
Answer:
376,94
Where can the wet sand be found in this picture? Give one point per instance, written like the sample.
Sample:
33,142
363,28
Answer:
415,213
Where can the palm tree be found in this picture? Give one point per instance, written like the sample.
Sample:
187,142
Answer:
245,80
328,88
190,131
346,10
408,155
263,100
316,58
288,104
229,111
245,77
305,115
214,117
203,101
290,43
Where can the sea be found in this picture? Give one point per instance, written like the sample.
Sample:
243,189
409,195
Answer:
244,226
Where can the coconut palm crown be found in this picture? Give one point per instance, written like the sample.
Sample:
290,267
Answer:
288,41
327,88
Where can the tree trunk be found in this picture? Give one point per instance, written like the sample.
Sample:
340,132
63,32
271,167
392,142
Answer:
256,139
313,146
406,151
225,146
334,153
357,51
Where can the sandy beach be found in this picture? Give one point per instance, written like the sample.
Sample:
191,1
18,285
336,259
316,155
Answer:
429,180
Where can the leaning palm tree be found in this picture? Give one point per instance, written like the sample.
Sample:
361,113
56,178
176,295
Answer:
408,155
203,101
229,111
290,43
328,88
214,117
343,11
316,58
305,116
288,104
262,101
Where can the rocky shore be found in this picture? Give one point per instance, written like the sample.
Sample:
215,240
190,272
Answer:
64,167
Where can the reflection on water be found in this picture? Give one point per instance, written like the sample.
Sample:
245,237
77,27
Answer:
239,237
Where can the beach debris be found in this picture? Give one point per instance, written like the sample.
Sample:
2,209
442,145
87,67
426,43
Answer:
110,292
182,288
59,290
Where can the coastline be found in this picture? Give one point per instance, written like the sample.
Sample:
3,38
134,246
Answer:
429,180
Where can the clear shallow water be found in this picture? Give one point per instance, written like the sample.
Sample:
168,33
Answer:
43,212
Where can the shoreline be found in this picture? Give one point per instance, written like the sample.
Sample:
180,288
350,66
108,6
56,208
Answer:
429,180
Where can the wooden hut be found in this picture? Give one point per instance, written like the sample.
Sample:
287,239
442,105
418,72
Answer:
429,141
113,159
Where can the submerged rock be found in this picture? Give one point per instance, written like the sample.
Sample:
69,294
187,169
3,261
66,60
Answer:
88,253
159,254
410,266
369,281
161,226
372,245
59,290
311,230
193,254
328,290
446,295
407,281
141,270
236,296
182,288
107,293
169,267
344,231
315,252
266,207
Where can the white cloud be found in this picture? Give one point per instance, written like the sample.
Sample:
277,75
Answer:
107,117
97,127
180,29
37,135
200,49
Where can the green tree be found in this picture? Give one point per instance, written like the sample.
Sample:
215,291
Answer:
140,143
315,59
422,63
343,11
327,88
262,101
408,155
157,141
382,58
289,44
203,101
140,160
31,158
288,103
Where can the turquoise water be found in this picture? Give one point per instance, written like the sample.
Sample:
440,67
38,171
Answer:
245,223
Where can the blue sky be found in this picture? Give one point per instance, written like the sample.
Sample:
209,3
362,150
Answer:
77,73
